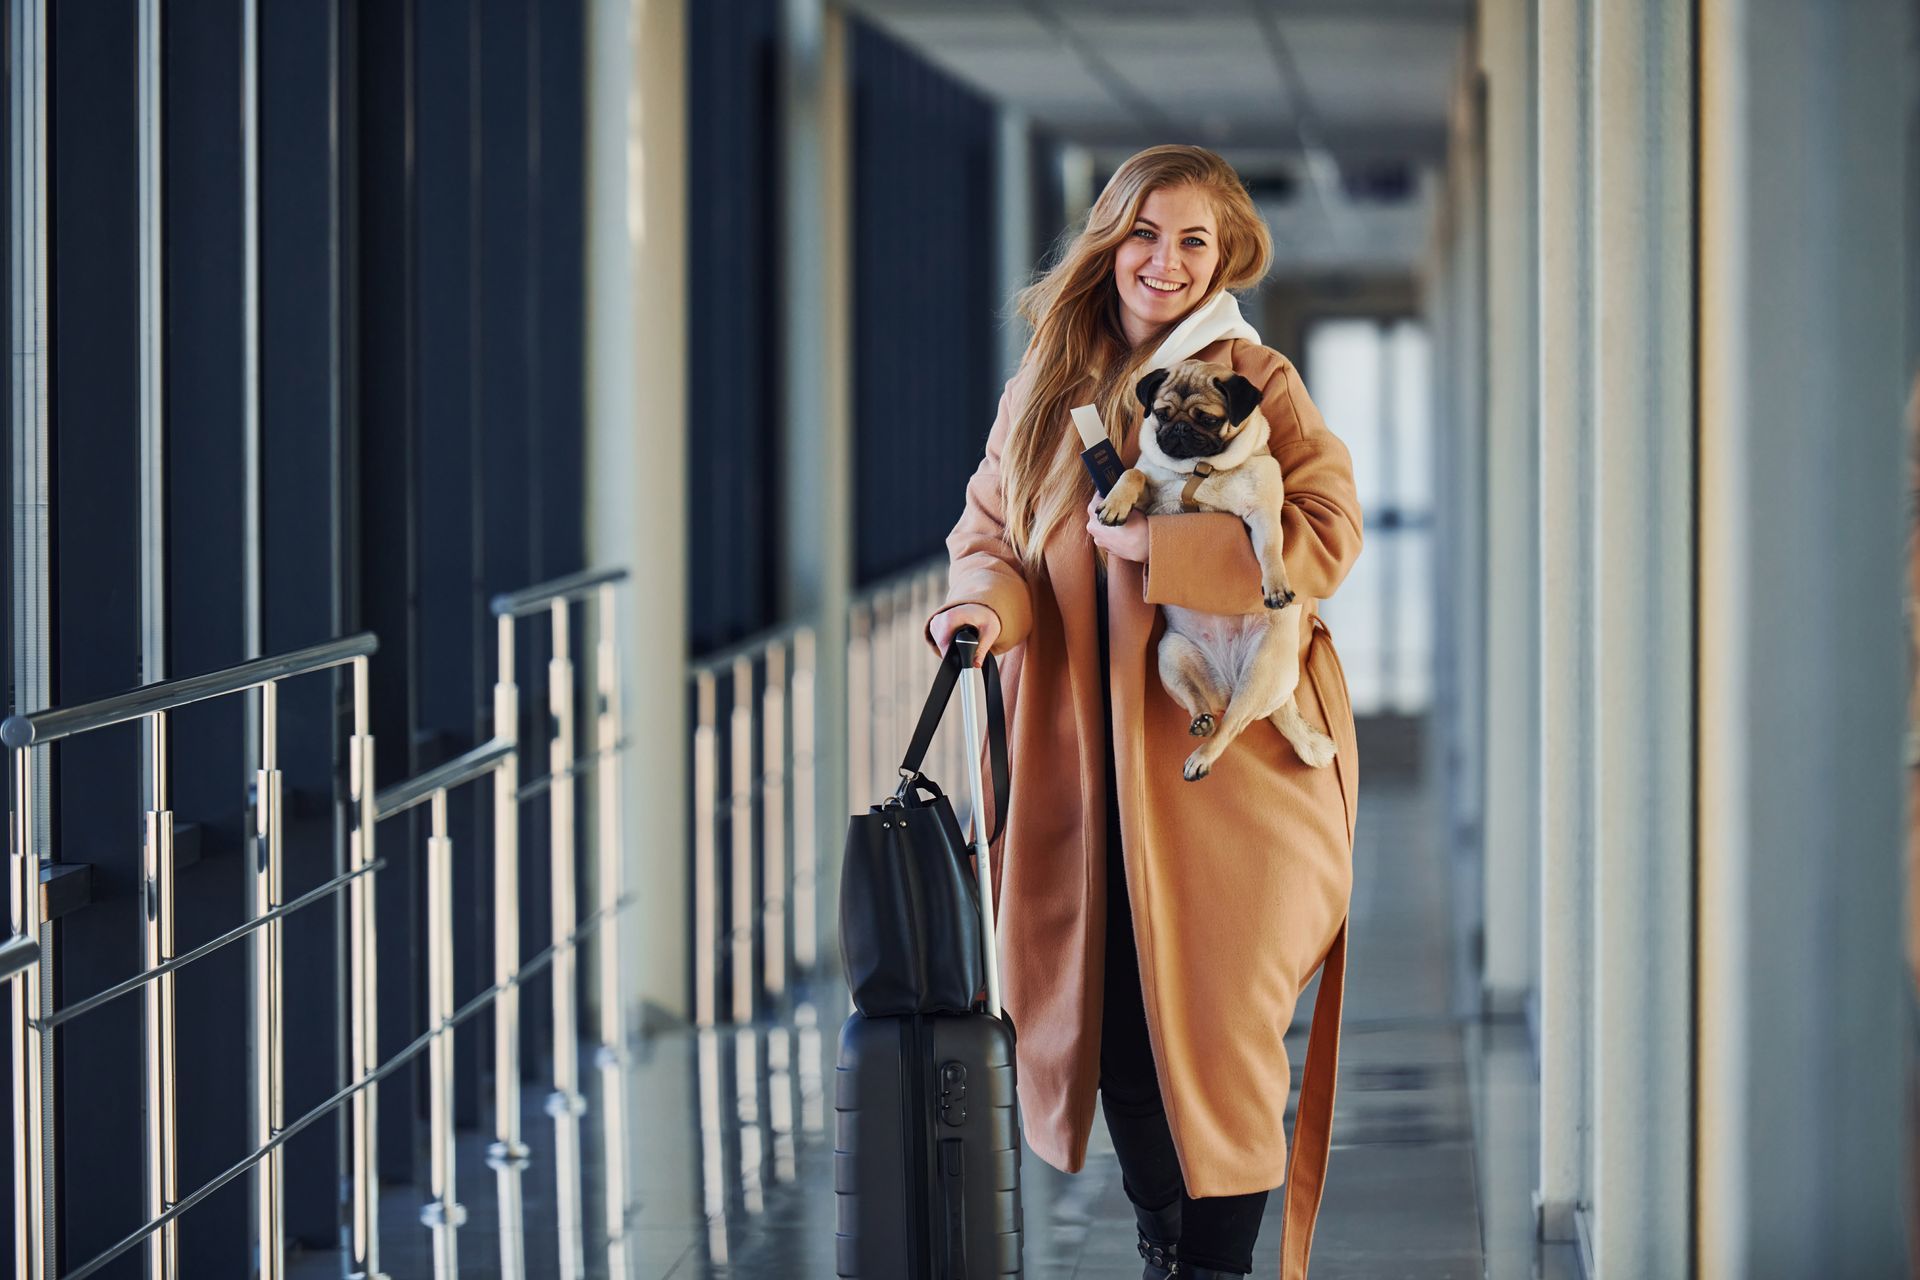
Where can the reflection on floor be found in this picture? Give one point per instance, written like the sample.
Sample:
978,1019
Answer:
730,1146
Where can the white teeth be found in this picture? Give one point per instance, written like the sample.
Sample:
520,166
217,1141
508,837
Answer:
1158,287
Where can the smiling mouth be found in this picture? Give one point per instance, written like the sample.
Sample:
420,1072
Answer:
1151,286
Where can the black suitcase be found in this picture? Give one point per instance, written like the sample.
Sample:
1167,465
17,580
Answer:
926,1162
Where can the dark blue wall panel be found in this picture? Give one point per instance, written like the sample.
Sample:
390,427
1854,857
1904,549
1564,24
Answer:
96,605
511,464
301,530
734,302
381,390
454,683
420,337
924,289
205,500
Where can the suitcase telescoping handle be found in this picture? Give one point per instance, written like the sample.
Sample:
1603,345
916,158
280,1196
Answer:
971,683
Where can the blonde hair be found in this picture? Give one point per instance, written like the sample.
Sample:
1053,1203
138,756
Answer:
1079,350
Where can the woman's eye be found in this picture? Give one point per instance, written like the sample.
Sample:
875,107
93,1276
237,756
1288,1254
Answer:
1142,231
1196,242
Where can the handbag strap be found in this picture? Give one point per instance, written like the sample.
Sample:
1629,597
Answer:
965,640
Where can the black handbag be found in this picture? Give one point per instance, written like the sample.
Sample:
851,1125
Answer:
910,920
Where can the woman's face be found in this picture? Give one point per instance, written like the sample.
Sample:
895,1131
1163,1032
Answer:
1167,260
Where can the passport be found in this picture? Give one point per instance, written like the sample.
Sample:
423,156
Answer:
1100,458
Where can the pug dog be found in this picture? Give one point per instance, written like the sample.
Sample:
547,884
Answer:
1203,447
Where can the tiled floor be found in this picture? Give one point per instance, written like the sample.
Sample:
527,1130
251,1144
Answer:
730,1145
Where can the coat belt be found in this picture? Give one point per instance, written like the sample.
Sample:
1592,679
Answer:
1313,1122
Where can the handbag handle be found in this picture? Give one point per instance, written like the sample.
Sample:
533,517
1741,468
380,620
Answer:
959,655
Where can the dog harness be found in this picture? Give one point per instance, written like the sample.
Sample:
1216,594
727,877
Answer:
1201,470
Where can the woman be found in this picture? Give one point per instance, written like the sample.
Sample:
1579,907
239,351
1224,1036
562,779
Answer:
1156,933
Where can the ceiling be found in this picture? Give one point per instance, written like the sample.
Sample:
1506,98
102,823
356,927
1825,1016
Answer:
1313,101
1365,79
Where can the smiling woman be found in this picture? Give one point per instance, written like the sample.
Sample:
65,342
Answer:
1151,964
1158,273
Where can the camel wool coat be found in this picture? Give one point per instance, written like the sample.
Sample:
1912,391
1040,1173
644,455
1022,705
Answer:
1240,881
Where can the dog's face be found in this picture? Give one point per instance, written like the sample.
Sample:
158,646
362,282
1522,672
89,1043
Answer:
1197,407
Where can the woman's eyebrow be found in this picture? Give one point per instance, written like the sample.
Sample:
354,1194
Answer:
1156,226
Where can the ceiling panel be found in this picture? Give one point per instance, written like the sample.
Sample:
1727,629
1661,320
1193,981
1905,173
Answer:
1119,73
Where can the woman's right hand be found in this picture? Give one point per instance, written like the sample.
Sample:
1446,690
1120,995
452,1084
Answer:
943,624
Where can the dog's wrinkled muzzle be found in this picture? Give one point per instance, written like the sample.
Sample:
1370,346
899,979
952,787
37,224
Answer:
1182,441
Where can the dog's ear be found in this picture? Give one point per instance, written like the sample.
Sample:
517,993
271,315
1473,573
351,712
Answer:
1242,397
1149,387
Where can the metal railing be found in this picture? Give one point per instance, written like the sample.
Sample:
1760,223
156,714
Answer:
443,1215
764,680
565,1104
889,670
34,1017
756,863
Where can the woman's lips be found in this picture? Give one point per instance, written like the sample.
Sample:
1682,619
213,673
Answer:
1160,293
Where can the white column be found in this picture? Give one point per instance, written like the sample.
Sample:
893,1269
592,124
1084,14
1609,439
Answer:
1642,485
1565,515
1076,183
1016,244
1804,239
636,339
816,342
1511,601
1462,480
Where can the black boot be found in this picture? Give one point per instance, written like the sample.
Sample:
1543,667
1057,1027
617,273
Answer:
1159,1233
1185,1272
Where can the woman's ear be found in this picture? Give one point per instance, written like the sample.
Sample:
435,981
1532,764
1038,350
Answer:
1149,387
1242,397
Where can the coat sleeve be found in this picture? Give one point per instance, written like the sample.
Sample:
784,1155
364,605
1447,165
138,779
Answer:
982,565
1204,560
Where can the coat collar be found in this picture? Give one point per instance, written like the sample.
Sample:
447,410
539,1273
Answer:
1207,324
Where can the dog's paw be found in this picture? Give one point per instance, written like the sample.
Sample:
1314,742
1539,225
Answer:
1279,597
1196,768
1203,725
1113,511
1317,750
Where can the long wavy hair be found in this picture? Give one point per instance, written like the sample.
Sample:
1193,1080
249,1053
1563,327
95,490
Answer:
1079,350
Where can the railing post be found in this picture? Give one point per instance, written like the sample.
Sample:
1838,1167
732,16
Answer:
806,866
32,1249
266,1042
364,1212
610,850
706,899
156,936
508,1154
773,822
565,1104
443,1213
740,832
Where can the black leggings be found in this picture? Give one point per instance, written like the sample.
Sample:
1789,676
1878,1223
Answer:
1215,1231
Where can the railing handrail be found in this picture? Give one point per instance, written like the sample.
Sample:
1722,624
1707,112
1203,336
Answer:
54,723
572,586
36,1012
18,954
459,771
891,582
528,969
246,928
716,660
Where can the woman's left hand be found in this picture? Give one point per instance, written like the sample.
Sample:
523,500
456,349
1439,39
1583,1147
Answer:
1128,541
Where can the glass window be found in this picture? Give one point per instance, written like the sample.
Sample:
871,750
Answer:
1370,377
